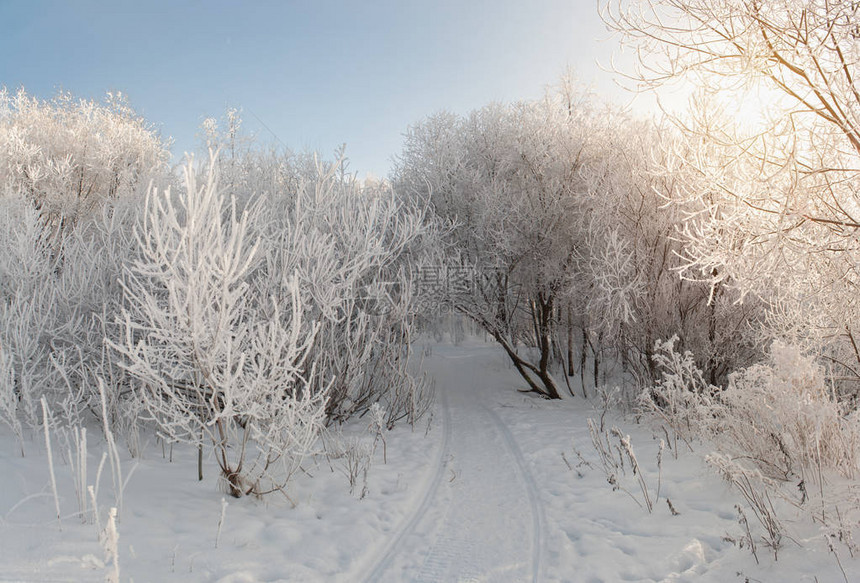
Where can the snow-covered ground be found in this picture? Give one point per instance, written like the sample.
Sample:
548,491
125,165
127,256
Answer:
494,491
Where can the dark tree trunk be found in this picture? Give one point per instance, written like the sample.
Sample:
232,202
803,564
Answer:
570,368
537,377
712,334
583,356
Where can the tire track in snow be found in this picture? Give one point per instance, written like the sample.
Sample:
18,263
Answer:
474,526
397,538
538,517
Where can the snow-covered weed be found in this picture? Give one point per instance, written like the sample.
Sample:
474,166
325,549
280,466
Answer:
681,398
76,451
756,490
616,455
109,539
46,426
609,399
353,456
73,444
223,516
112,454
378,428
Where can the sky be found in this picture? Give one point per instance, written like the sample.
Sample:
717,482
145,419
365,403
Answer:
305,74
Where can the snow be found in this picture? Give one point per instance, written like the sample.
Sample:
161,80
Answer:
484,495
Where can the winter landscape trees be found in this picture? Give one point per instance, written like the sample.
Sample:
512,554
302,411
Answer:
253,301
244,319
558,206
70,156
772,202
777,197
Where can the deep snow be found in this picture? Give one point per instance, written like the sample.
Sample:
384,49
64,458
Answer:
484,495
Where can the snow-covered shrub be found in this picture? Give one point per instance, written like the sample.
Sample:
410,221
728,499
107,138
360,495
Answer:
26,323
354,458
88,301
54,318
214,361
70,173
96,255
681,397
778,429
353,248
783,415
9,398
68,157
26,314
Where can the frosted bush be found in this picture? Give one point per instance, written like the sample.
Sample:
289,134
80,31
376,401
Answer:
27,314
783,415
353,248
215,362
26,325
70,171
69,156
8,397
54,316
298,298
681,397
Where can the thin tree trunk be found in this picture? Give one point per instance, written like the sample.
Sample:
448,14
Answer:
544,317
712,334
570,368
582,360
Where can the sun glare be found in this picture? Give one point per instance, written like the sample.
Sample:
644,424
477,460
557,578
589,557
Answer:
752,109
749,109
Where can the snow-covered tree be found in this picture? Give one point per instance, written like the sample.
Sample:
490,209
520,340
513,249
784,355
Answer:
70,171
776,212
563,205
355,249
643,213
516,183
211,360
69,156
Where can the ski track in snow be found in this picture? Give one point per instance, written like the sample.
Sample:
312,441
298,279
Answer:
538,518
393,546
484,521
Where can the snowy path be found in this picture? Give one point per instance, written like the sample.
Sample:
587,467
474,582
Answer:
480,518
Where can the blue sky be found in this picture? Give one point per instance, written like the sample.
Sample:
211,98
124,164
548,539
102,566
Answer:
316,74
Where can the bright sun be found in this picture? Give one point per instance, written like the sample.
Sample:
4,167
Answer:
750,109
